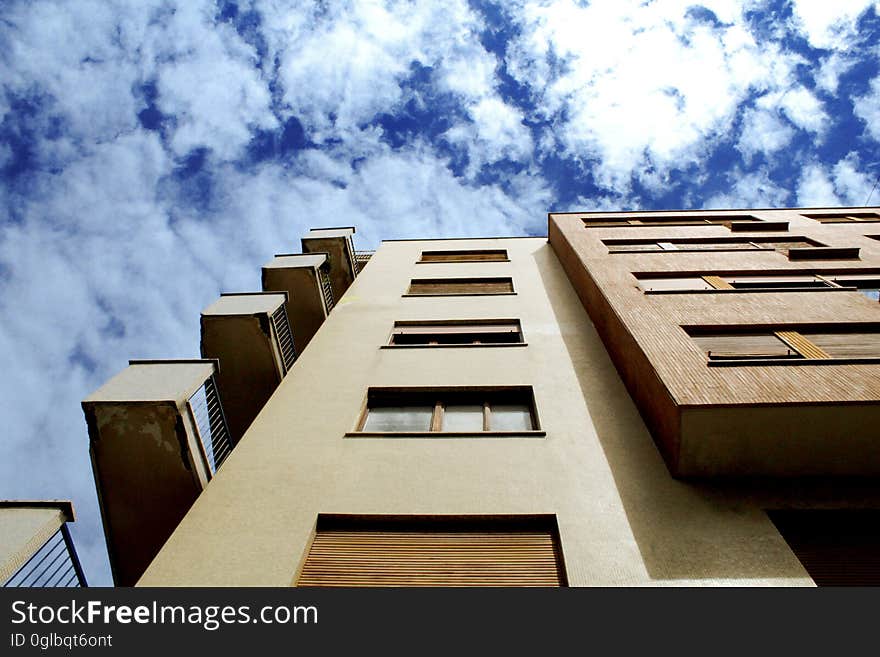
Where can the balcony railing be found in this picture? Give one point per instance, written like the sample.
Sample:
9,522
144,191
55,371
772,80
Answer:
55,564
326,289
211,422
285,338
362,258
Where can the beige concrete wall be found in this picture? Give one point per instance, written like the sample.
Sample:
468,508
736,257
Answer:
23,531
623,520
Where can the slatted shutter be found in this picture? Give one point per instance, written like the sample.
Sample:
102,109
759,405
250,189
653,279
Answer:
801,344
837,547
718,283
434,551
438,286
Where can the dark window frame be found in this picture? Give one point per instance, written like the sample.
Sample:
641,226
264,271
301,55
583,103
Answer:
463,256
858,280
692,244
399,329
794,335
476,280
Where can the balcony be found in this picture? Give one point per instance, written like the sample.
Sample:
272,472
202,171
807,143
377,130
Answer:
36,549
250,336
157,435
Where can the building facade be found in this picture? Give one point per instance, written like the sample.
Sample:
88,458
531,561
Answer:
606,407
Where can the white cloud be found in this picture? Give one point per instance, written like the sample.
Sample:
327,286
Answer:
815,188
763,132
750,190
643,86
830,25
803,109
852,185
867,108
828,75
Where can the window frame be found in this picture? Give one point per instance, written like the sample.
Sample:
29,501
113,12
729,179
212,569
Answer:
841,280
442,397
692,245
648,221
857,217
461,279
463,252
472,324
793,335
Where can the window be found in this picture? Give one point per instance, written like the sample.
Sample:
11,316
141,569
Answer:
459,286
457,333
465,550
681,220
837,547
867,283
685,244
450,410
846,217
482,255
816,344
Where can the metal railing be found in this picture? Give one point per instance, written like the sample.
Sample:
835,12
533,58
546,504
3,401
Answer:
211,423
285,338
362,258
326,289
55,564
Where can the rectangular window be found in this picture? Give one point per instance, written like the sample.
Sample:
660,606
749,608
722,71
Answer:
867,283
480,255
680,220
792,344
686,244
845,217
427,412
459,286
460,551
456,333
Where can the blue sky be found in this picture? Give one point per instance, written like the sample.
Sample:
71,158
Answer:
154,154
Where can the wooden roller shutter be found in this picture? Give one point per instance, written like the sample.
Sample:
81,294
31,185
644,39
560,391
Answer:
437,286
434,552
837,547
486,255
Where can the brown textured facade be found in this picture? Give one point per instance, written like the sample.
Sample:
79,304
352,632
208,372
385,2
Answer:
741,416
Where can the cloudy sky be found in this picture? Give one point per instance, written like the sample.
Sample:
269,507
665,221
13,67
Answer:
154,154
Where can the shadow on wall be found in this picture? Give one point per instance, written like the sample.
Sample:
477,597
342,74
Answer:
683,530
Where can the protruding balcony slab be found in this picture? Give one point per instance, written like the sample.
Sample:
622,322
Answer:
250,335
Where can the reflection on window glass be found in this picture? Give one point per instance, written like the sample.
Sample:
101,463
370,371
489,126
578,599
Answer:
871,294
399,418
460,417
510,417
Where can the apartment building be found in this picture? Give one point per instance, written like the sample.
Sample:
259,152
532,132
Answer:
36,549
606,407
